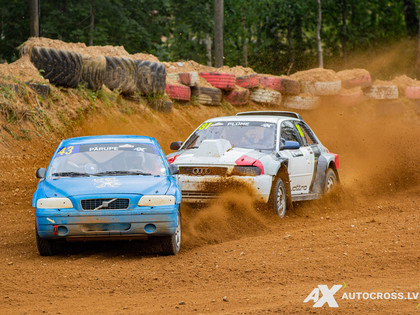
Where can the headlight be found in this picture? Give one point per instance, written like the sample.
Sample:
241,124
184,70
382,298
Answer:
156,200
246,171
54,203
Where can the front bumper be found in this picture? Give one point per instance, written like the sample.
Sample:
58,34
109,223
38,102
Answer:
194,190
142,221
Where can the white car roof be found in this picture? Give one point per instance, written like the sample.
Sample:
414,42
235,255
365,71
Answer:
261,118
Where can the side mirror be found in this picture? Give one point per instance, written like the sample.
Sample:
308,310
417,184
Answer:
290,145
173,169
176,145
40,172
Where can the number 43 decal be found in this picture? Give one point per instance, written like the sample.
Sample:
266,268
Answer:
68,150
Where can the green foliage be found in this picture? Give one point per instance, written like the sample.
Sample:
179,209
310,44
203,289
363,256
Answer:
274,36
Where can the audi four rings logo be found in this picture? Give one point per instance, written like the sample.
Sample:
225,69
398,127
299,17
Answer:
201,171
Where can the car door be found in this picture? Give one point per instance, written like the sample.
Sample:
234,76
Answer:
301,161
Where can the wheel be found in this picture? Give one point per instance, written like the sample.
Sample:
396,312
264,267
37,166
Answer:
278,197
207,96
171,244
220,80
330,180
46,247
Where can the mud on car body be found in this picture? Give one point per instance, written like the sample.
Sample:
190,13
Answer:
107,187
274,151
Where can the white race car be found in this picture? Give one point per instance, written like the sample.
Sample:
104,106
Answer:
274,151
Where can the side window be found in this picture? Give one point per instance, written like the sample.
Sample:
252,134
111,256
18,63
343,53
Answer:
289,132
308,136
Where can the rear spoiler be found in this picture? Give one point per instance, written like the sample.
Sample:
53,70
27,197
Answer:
271,113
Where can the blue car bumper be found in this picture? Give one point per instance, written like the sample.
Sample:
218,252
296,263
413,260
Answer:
134,223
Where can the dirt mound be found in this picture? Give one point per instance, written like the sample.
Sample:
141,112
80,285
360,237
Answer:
352,73
93,51
21,70
316,75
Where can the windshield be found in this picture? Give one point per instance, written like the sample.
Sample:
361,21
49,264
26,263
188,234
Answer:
241,134
107,159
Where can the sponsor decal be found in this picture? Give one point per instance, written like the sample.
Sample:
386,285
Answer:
322,295
299,188
97,148
106,182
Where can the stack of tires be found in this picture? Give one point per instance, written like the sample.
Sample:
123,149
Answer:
69,69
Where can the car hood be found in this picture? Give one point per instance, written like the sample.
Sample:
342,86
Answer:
72,186
215,152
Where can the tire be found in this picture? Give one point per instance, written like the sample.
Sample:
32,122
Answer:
151,77
237,97
41,89
321,88
301,102
60,67
281,84
280,198
207,96
46,247
248,81
220,80
120,74
412,92
382,92
353,78
172,244
178,92
188,78
93,71
330,181
264,96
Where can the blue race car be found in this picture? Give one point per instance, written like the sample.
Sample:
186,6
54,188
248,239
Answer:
107,187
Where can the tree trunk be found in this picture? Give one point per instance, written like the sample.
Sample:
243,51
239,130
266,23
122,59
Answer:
291,49
208,49
244,44
34,18
318,36
344,39
411,17
418,48
92,22
218,33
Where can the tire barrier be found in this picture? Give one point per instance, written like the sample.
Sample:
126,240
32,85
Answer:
321,88
264,96
301,102
178,92
248,81
220,80
353,78
93,71
60,67
382,92
412,92
207,96
281,84
120,75
150,78
237,97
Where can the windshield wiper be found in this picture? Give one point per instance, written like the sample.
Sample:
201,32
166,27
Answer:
136,172
70,174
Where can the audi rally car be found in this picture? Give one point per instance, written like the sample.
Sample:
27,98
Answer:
274,151
107,187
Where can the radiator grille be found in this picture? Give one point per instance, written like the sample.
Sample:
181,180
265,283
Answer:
117,204
202,171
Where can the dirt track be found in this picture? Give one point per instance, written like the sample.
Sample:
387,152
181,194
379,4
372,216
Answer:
367,235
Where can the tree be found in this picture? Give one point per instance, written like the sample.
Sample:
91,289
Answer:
34,17
318,36
218,33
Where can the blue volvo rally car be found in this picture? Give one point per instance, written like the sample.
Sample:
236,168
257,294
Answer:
107,187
